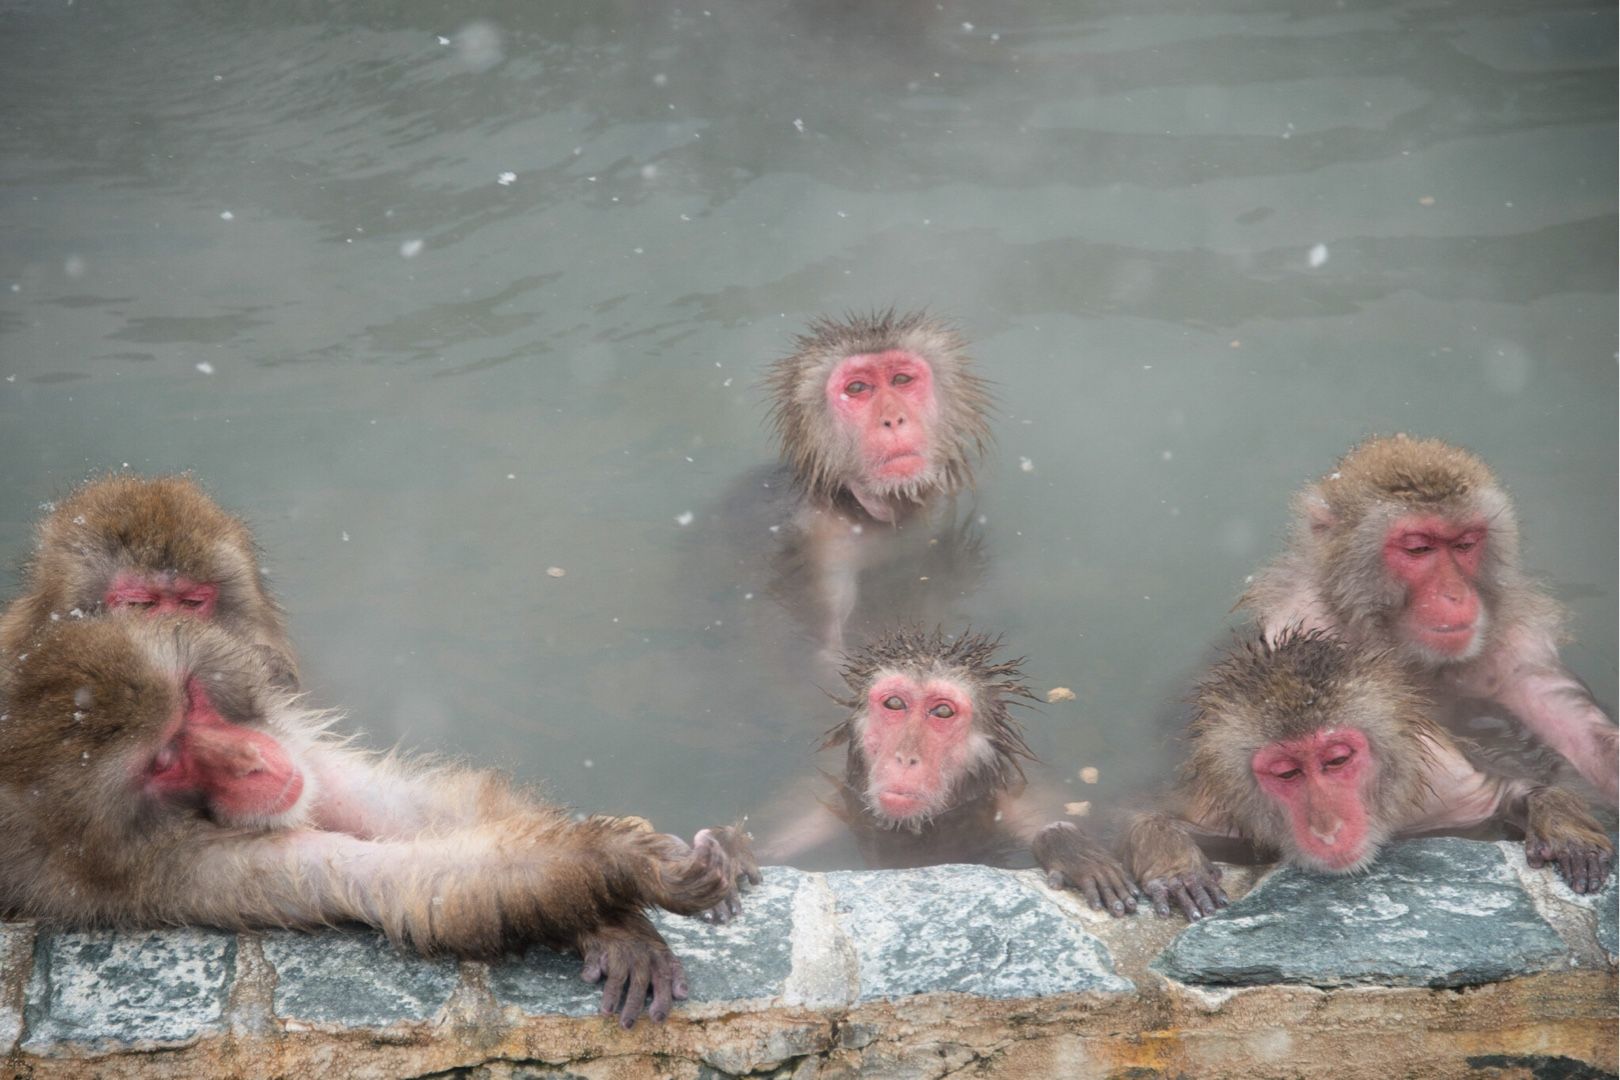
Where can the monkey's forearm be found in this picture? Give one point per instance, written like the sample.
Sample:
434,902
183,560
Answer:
1559,709
476,892
381,798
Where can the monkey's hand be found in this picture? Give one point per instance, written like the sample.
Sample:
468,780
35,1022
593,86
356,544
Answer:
689,879
1169,866
632,962
1073,860
1559,830
739,852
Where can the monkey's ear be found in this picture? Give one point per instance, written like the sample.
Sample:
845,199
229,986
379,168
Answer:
1313,506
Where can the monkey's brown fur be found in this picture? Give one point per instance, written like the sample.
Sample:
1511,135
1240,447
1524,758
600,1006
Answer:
483,869
811,445
1270,692
1341,521
150,526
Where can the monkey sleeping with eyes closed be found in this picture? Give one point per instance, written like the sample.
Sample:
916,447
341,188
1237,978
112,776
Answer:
1322,751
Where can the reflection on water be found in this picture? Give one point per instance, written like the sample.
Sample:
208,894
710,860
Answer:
441,305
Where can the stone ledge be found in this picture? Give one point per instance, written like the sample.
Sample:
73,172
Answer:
1449,958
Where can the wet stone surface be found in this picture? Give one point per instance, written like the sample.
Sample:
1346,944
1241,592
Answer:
965,928
121,989
1437,912
354,978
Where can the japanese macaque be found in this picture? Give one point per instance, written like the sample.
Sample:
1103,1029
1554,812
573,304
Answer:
1322,751
881,419
151,772
1411,544
933,767
157,546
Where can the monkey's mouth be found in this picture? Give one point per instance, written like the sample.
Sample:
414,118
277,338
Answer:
1453,638
904,463
902,804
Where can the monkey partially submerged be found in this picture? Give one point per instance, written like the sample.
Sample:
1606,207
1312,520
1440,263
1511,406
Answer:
933,766
1320,752
1412,545
881,419
154,546
152,772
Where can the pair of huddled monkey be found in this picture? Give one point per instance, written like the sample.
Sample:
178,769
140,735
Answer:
158,766
1399,614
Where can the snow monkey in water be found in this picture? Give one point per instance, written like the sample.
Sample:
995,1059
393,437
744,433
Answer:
933,768
1412,545
1320,751
881,418
153,773
153,546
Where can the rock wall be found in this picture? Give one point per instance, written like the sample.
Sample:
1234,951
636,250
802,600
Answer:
1449,958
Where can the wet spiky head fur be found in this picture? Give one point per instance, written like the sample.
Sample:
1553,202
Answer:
821,457
1301,683
968,660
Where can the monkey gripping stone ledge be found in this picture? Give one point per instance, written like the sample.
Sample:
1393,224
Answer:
1448,958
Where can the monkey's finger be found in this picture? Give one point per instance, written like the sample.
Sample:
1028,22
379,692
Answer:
592,971
1125,888
636,991
618,973
1056,880
1189,907
1535,852
1092,895
662,989
1160,896
677,977
1204,896
1566,871
1220,895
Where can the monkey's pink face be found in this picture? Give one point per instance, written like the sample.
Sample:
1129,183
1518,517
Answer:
885,403
241,774
162,595
1318,780
919,740
1437,561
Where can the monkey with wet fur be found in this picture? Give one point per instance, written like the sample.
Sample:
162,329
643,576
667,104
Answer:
933,767
156,546
152,773
1322,751
881,419
1412,545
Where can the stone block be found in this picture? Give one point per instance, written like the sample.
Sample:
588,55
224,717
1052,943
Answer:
970,929
354,978
108,989
1434,912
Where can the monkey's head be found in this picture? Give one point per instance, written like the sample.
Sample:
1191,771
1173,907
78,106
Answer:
883,406
156,546
126,721
1413,540
1310,746
928,720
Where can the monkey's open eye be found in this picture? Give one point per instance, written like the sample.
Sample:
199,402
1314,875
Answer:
942,710
900,379
893,702
856,387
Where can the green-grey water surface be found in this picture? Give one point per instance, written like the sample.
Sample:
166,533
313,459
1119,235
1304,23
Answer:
441,296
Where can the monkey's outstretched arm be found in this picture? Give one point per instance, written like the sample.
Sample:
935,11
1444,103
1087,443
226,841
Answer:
381,798
1554,704
476,892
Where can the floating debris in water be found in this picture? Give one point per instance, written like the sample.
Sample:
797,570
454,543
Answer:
684,518
205,367
506,178
555,571
798,125
1077,809
1026,464
1089,774
1427,200
411,248
226,215
1318,256
1059,693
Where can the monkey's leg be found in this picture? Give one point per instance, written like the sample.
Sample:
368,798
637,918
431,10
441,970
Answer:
1073,860
1559,830
1168,865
